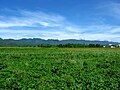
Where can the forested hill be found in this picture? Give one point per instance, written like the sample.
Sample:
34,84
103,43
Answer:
38,41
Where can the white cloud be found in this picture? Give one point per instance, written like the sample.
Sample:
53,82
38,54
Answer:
53,26
59,35
115,30
31,18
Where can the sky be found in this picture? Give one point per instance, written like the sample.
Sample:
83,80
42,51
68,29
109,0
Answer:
60,19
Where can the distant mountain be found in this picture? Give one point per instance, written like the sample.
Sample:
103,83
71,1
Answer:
38,41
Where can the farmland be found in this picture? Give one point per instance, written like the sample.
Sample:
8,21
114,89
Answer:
24,68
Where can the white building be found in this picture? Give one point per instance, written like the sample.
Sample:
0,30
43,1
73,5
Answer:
118,45
112,46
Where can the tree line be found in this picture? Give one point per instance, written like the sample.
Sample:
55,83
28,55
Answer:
69,45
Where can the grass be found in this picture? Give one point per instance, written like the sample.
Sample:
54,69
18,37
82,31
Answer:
59,68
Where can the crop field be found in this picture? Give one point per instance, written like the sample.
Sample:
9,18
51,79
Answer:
59,68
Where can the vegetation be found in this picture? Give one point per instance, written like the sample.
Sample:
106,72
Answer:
38,42
70,45
59,68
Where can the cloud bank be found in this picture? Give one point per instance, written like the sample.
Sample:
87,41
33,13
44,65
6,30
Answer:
36,24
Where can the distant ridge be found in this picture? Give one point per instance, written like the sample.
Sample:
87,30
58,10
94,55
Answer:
37,41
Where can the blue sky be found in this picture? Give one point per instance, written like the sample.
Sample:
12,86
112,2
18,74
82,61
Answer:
60,19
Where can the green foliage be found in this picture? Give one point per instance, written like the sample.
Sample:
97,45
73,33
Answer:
59,68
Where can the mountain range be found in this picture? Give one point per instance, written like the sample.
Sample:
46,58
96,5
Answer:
38,41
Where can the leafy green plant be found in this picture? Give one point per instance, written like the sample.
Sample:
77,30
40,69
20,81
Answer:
59,68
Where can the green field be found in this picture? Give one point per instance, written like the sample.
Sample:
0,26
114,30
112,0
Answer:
59,69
